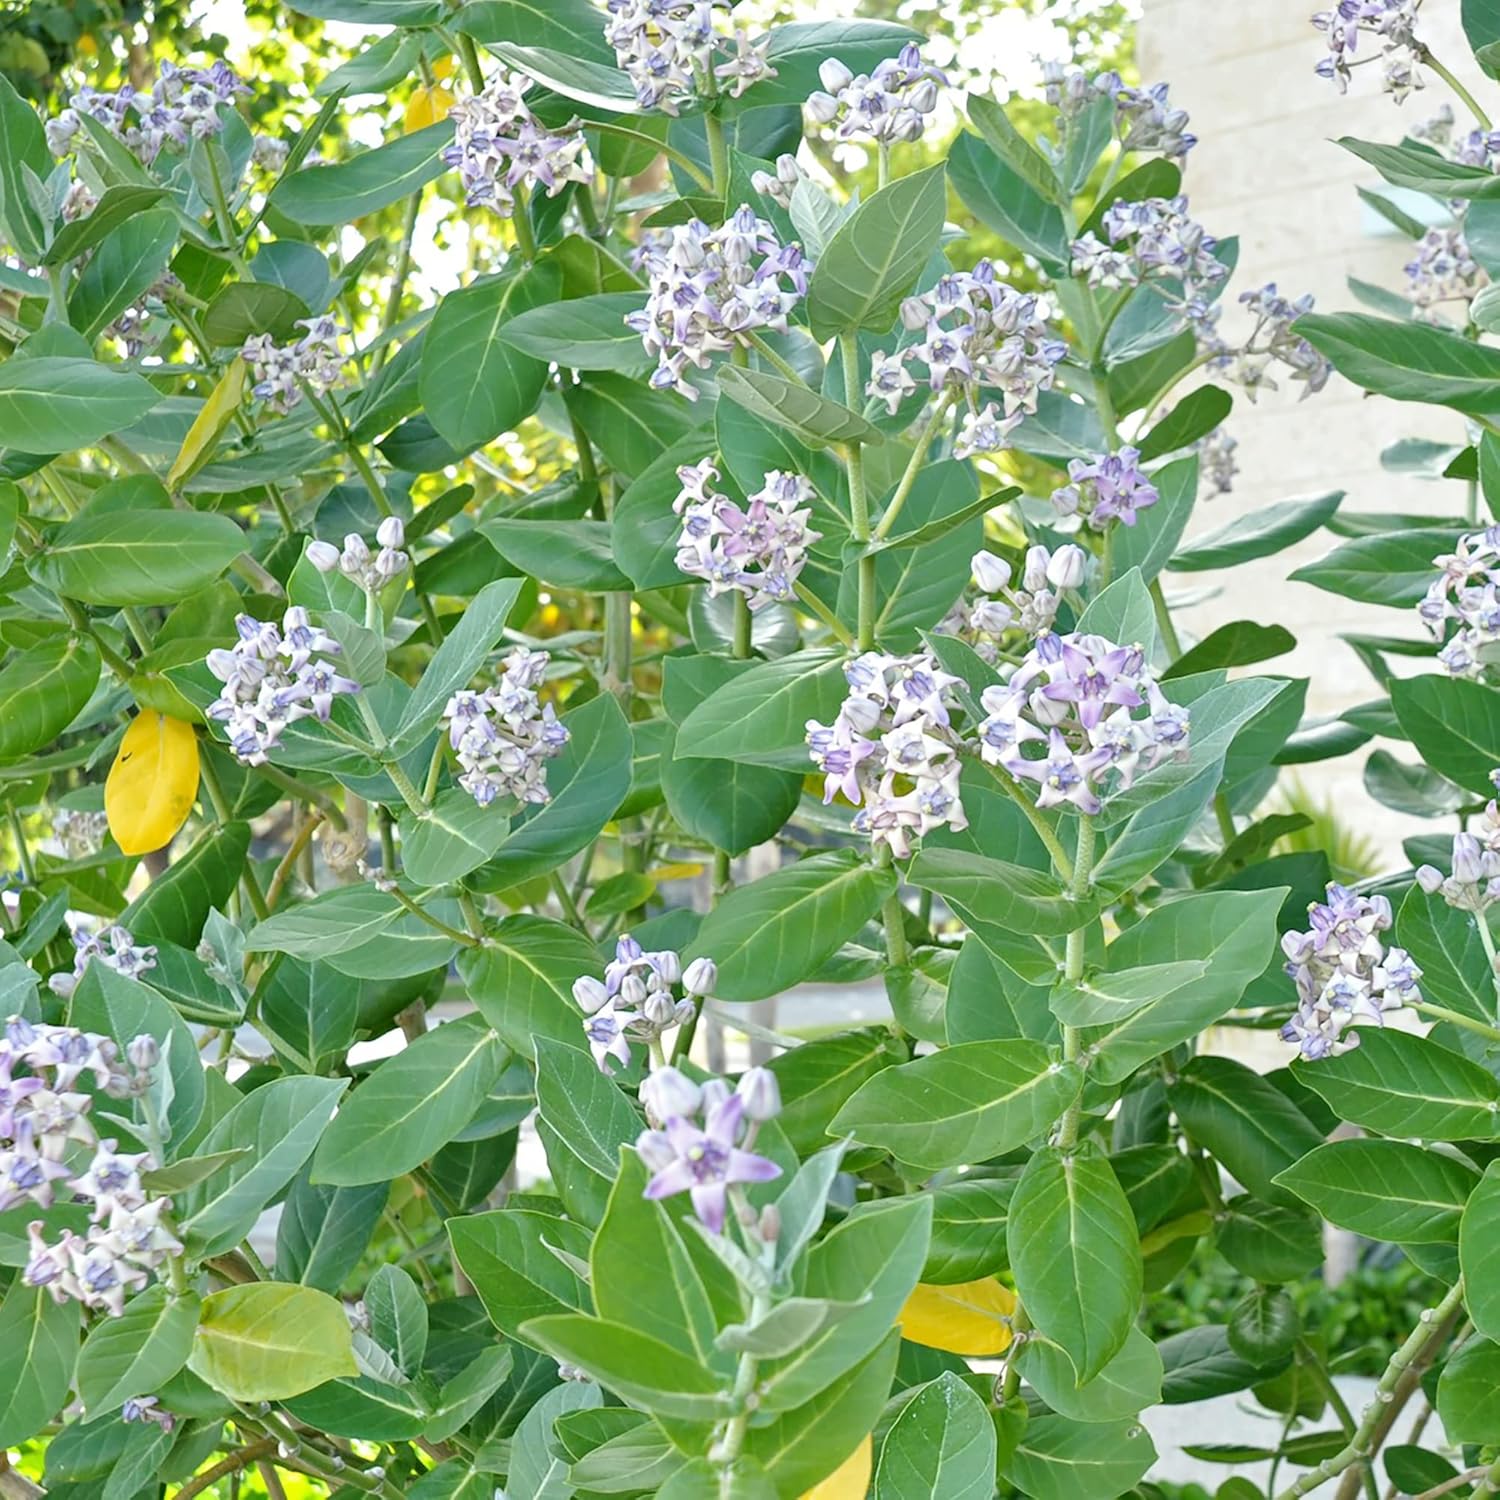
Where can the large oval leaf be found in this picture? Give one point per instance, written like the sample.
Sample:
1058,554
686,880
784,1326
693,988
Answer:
351,189
44,689
53,404
271,1340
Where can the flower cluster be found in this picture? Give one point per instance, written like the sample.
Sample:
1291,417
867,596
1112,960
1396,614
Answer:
1273,340
705,1160
709,288
892,750
779,185
81,834
976,331
758,549
668,47
181,107
1443,270
1344,972
1465,590
1075,697
1474,880
1216,462
891,103
638,998
1109,487
113,947
1154,239
371,571
272,677
1144,117
278,371
45,1074
504,735
1393,22
982,622
498,146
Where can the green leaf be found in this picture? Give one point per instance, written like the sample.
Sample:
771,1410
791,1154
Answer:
1466,1394
455,662
1409,361
1150,543
587,782
1393,569
1122,612
1268,1243
1455,725
1198,1363
961,1104
521,980
175,905
411,1106
876,256
997,893
323,1231
968,1231
1233,932
1423,171
1249,1125
271,1340
1002,199
38,1348
1259,533
776,931
795,51
54,404
372,180
1128,1384
1103,999
44,689
137,1352
584,1119
246,308
1479,1251
1059,1459
643,1370
941,1443
631,425
990,119
761,715
477,382
506,1255
586,333
596,83
566,554
1241,643
23,147
138,557
122,270
1385,1189
1075,1255
645,528
333,922
814,419
1194,417
364,1407
451,837
562,25
816,1078
1404,1085
281,1123
398,1317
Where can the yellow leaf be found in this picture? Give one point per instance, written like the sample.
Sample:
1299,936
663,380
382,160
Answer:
851,1480
427,107
208,426
969,1318
443,66
153,783
681,871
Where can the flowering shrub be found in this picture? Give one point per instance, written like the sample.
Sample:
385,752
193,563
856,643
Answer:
559,1233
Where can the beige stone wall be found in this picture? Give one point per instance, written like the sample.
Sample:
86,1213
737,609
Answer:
1267,168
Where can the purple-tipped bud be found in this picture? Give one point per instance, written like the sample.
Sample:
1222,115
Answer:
761,1093
1468,859
659,1009
834,75
824,108
633,991
1034,574
1430,878
391,532
668,1094
143,1053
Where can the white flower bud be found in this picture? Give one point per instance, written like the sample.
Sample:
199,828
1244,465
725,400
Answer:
391,532
862,714
686,1010
389,563
660,1009
916,314
667,964
143,1053
761,1093
668,1093
924,97
1430,879
991,573
590,994
700,977
1468,866
992,617
355,557
324,556
1034,573
1066,569
632,990
834,75
715,1092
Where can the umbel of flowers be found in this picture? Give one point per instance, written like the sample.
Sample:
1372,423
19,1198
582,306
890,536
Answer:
640,997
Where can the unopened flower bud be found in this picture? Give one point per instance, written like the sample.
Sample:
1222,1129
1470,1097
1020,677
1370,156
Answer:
390,563
992,617
685,1012
1430,878
700,977
770,1224
834,75
862,714
632,990
668,965
991,573
668,1093
324,556
355,557
924,97
915,314
391,532
1468,867
1065,571
1034,573
143,1053
660,1009
761,1093
590,994
715,1092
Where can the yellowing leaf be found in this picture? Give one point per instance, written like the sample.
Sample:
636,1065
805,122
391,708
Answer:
427,107
271,1340
208,426
969,1318
851,1480
681,871
153,783
443,66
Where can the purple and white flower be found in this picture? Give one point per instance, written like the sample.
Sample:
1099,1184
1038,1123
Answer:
272,678
370,569
1273,340
1473,881
893,102
1145,119
711,288
892,750
279,371
1216,463
113,947
1465,590
1154,239
981,619
1444,270
1392,25
1069,719
503,736
641,996
1344,973
757,549
1109,487
668,48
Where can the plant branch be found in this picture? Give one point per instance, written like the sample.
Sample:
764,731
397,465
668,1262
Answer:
241,1458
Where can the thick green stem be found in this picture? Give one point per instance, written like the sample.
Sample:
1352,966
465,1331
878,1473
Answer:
398,280
1456,1018
913,468
718,153
1078,886
1425,53
23,851
1360,1448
